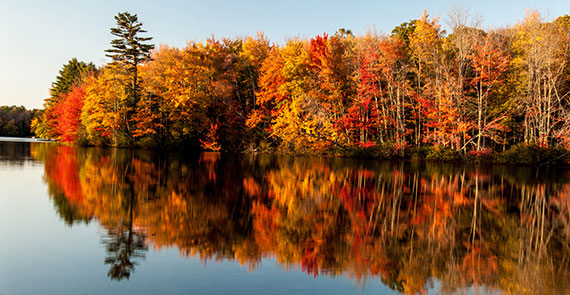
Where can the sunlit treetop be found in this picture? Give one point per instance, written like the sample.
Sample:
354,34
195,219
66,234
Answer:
129,47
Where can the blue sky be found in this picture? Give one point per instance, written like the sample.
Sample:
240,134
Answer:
38,37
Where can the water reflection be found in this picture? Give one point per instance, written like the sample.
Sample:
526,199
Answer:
501,229
13,154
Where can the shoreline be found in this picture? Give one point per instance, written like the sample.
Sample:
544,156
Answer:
531,155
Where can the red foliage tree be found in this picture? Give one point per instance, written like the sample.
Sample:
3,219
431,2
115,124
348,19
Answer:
68,112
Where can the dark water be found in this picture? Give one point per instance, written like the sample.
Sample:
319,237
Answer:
113,221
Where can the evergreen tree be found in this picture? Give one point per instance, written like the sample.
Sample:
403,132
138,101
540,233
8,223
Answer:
129,50
71,74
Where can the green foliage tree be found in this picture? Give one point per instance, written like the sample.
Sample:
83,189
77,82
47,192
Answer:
404,31
71,74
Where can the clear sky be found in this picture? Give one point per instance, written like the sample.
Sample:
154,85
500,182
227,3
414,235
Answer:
38,37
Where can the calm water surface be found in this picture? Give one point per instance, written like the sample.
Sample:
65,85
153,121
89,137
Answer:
114,221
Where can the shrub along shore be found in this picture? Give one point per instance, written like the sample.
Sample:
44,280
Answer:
521,154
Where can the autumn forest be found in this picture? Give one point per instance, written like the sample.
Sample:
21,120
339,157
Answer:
417,90
429,158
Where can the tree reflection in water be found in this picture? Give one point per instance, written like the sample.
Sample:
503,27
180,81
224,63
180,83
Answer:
503,229
124,245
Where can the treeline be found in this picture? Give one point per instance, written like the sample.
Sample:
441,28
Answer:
471,91
15,121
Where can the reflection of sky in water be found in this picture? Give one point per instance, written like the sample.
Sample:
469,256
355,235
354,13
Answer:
18,139
42,254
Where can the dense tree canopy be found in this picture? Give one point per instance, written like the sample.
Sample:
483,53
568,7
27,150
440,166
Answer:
464,91
15,121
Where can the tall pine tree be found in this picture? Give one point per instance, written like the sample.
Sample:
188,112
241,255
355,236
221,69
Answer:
129,50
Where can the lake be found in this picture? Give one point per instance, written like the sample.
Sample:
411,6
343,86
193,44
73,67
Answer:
119,221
